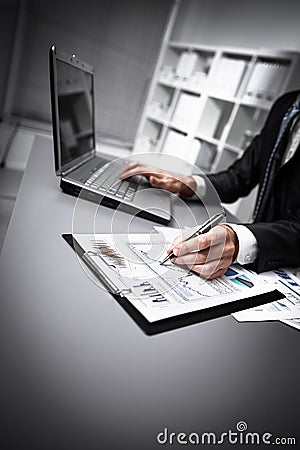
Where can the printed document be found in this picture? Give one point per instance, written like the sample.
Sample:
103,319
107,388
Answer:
163,291
288,284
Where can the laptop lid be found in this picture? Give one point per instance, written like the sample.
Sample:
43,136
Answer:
73,112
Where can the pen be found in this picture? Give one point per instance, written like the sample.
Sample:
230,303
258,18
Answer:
206,226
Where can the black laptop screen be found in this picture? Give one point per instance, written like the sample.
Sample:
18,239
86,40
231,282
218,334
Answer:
75,111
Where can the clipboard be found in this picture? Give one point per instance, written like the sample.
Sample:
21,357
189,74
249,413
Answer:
119,290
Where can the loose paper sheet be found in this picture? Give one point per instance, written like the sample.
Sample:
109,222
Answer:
288,284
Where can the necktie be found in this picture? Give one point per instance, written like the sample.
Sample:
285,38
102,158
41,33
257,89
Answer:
287,120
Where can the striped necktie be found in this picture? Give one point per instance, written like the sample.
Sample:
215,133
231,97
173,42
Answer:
287,120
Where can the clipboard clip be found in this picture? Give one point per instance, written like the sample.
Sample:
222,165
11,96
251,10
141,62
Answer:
111,280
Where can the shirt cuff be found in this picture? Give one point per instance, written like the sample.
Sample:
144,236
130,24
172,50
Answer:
248,247
201,187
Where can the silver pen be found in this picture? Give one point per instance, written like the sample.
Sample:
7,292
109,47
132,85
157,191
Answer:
206,226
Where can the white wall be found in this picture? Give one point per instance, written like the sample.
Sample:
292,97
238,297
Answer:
270,24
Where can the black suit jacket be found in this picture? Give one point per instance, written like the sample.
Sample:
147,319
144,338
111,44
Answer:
278,229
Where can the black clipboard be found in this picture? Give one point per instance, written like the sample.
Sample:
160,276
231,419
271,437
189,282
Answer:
183,320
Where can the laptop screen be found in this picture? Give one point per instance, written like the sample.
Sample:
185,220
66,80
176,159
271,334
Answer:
73,102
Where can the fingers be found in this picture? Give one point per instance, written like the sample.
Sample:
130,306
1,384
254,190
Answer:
184,234
212,269
204,256
209,255
216,236
171,182
136,168
166,182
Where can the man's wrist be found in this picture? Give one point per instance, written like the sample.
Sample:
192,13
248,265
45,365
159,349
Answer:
248,247
189,187
234,239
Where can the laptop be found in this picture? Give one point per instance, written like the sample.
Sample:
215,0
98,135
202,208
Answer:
82,171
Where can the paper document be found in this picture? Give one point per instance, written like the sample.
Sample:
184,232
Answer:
163,291
295,323
288,308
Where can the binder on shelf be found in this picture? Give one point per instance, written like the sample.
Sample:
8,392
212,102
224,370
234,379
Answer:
186,113
158,110
228,76
167,74
186,64
193,150
265,80
175,144
210,118
197,81
206,155
146,144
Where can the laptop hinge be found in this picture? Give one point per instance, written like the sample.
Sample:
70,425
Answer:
75,166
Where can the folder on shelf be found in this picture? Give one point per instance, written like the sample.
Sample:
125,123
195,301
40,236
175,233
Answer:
186,64
206,155
210,118
186,114
167,74
228,76
265,80
163,297
175,144
197,81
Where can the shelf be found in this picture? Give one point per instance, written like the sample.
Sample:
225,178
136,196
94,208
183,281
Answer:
247,122
228,75
210,140
186,112
208,102
222,98
146,144
211,49
185,68
238,51
178,127
266,79
152,131
226,158
155,118
206,155
214,117
196,85
232,148
255,102
169,84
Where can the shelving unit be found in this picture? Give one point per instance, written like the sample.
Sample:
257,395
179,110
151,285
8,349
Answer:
207,102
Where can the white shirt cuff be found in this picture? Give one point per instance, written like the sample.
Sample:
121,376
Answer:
201,187
247,244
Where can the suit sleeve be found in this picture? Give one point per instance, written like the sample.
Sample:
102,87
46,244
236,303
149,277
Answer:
244,174
278,244
241,177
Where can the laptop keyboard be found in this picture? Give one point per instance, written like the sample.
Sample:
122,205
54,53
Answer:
106,181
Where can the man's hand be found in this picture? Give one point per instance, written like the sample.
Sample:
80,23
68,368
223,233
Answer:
210,254
177,184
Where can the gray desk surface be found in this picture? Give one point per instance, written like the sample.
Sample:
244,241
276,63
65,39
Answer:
77,372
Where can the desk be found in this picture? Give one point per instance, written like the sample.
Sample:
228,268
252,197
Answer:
77,372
